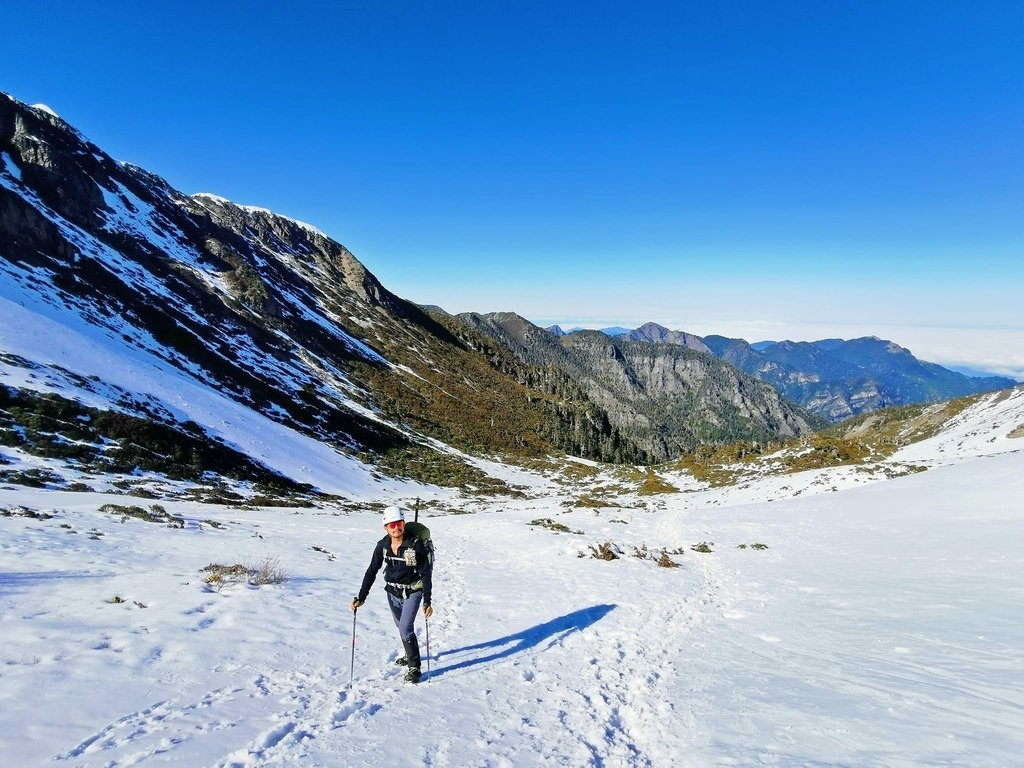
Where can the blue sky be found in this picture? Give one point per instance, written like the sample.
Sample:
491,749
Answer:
756,169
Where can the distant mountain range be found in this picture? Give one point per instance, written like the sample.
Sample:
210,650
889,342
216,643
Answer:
163,294
834,378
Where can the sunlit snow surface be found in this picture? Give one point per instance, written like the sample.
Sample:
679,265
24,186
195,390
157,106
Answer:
882,626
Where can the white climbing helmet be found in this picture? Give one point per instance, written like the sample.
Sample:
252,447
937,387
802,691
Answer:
392,514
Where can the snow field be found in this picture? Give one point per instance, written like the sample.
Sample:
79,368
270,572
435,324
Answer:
880,627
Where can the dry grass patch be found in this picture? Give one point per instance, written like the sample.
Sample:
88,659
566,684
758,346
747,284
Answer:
655,484
592,502
576,471
255,574
551,525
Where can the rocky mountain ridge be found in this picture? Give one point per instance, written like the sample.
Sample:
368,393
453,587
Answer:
284,321
842,378
667,397
834,378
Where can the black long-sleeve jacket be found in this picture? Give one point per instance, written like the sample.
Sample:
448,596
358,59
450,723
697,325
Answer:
410,569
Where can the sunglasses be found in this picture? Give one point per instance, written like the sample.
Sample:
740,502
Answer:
395,524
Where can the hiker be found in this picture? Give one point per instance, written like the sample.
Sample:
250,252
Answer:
407,570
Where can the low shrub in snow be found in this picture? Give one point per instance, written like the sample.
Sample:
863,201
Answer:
551,525
265,571
667,562
606,551
592,502
31,478
155,514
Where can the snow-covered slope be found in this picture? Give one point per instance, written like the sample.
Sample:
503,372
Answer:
109,275
874,626
992,425
55,341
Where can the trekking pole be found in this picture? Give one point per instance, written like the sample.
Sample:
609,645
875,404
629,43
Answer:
426,622
352,664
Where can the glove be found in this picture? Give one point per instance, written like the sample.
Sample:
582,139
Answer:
428,611
356,602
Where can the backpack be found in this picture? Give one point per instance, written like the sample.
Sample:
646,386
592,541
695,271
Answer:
419,531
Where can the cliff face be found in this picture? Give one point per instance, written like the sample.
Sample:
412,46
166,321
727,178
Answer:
663,398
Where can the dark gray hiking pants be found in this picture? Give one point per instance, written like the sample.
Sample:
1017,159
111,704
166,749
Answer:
404,613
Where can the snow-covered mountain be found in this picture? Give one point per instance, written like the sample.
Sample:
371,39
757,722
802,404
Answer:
187,308
120,292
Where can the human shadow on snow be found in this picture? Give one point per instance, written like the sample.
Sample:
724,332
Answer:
553,631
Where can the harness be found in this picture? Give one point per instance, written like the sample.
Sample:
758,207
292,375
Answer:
405,589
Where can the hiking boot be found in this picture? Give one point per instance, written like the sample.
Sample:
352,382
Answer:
412,652
413,675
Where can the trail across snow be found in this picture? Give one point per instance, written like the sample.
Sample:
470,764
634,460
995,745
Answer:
528,660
